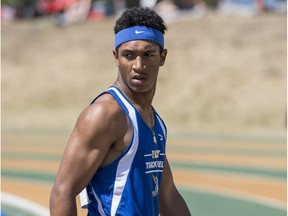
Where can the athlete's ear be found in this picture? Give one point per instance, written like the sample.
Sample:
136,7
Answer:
115,54
163,55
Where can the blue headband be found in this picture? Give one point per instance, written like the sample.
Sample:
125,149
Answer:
139,33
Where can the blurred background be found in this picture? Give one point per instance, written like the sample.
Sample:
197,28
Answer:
222,94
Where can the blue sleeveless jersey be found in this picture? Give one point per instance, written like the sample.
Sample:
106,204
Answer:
130,185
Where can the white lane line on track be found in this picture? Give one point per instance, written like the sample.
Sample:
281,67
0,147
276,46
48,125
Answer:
24,204
237,195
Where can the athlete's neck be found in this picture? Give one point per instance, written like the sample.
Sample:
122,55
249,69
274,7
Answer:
140,101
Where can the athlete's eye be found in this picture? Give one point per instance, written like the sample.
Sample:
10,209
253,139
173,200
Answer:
128,55
148,55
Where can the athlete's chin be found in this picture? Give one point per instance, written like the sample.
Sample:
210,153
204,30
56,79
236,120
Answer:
141,86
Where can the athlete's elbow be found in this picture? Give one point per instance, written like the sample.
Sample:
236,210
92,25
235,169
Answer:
60,193
61,198
55,196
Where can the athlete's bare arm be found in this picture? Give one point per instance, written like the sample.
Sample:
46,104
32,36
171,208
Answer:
97,139
171,203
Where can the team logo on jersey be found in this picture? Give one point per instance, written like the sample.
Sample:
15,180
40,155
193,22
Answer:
156,189
161,137
156,163
155,153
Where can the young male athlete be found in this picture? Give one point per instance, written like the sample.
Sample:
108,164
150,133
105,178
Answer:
116,152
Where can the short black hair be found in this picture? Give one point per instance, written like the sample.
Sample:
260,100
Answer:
140,16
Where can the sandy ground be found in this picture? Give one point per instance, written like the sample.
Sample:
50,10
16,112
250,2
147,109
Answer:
224,74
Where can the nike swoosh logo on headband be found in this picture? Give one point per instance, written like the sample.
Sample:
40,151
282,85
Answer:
139,32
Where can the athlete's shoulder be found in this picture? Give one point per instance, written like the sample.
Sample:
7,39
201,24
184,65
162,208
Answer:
105,109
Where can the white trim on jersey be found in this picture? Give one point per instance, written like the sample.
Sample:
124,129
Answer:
162,126
125,162
100,207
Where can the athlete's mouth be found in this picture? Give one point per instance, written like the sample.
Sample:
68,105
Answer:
139,77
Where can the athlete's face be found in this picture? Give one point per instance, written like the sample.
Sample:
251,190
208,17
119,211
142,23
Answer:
138,62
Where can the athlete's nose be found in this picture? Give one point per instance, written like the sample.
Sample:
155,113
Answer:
138,63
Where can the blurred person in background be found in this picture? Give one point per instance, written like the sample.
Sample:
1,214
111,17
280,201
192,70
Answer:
251,7
172,10
75,11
